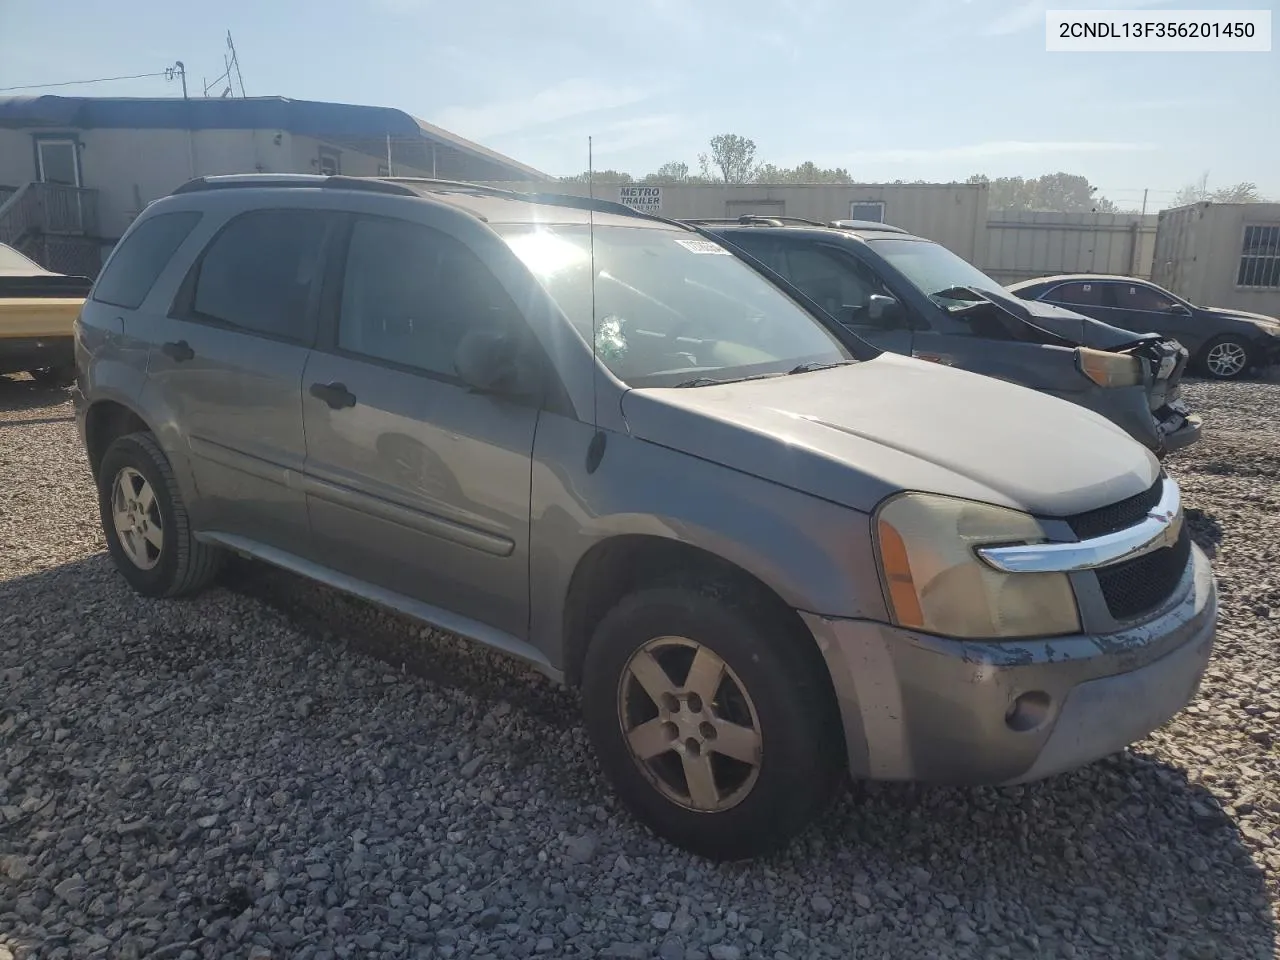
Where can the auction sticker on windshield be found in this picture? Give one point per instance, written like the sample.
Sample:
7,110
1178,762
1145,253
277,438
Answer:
702,246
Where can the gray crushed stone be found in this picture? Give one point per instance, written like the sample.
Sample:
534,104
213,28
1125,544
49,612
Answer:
274,770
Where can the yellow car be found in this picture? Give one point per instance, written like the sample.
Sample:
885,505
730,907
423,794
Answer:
38,310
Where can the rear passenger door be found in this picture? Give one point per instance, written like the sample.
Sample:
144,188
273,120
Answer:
226,365
415,483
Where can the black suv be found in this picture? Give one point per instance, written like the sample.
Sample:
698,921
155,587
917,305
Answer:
912,296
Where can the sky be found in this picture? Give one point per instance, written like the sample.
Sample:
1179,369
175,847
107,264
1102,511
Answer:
908,89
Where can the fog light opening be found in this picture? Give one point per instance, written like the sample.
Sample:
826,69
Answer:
1028,711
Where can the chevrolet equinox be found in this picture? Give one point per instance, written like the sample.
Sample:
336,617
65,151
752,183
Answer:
767,553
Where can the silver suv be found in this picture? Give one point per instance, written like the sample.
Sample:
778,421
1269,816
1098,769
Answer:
767,553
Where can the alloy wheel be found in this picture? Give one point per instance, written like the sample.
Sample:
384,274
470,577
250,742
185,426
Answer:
136,517
689,724
1226,359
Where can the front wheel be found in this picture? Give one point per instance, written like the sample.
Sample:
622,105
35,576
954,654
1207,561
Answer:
1226,358
714,722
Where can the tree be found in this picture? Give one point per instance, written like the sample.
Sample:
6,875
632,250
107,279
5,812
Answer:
600,176
733,156
807,172
674,171
1058,192
1243,192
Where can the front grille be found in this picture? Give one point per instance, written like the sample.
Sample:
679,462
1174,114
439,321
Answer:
1117,516
1133,587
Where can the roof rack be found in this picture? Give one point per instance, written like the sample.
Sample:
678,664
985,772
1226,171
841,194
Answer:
756,219
865,225
403,186
557,199
234,181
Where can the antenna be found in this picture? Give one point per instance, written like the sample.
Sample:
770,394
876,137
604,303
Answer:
591,245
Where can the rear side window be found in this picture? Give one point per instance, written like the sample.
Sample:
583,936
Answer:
260,272
1079,294
145,252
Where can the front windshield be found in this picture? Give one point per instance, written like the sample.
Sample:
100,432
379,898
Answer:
671,308
934,269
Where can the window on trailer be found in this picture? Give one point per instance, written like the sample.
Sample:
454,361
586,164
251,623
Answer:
1260,257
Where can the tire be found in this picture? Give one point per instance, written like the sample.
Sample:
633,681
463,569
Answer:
63,376
180,565
1218,351
789,710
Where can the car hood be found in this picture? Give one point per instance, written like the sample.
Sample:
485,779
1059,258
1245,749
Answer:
858,433
1067,324
1270,324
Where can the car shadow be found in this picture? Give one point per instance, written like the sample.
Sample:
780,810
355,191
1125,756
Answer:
18,392
1206,531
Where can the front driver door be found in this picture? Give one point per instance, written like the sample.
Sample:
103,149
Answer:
414,483
842,285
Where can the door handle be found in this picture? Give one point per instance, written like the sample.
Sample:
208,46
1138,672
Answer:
336,395
178,350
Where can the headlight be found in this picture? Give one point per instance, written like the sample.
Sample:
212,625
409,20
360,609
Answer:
1109,369
936,582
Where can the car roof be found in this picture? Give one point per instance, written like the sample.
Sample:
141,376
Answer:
493,205
1076,278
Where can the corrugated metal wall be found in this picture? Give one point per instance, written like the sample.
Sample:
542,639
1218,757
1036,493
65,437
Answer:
954,215
1022,244
1198,253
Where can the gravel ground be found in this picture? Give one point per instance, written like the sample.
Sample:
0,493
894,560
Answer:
275,770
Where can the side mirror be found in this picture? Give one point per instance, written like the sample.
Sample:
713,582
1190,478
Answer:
1177,310
491,362
884,310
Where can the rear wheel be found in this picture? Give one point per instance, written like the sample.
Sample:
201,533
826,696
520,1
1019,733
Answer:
61,376
145,521
1226,358
713,721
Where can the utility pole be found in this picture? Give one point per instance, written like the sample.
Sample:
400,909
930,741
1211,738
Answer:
1144,201
179,71
234,62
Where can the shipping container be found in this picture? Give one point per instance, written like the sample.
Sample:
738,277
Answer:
1221,255
1022,244
952,214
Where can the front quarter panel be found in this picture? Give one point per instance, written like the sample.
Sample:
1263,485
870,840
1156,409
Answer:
814,554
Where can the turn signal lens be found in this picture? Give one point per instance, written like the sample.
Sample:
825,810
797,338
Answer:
1109,369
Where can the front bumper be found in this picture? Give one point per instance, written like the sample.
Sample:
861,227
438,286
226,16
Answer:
920,707
1268,352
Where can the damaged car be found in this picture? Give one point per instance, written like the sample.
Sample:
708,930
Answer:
909,295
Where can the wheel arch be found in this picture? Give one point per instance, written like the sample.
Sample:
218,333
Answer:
106,420
624,563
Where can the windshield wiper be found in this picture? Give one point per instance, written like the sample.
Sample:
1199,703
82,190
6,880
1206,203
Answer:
818,365
701,382
712,381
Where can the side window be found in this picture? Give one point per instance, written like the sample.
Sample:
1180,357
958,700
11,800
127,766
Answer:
1133,296
764,248
260,272
143,254
841,284
1077,294
409,293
